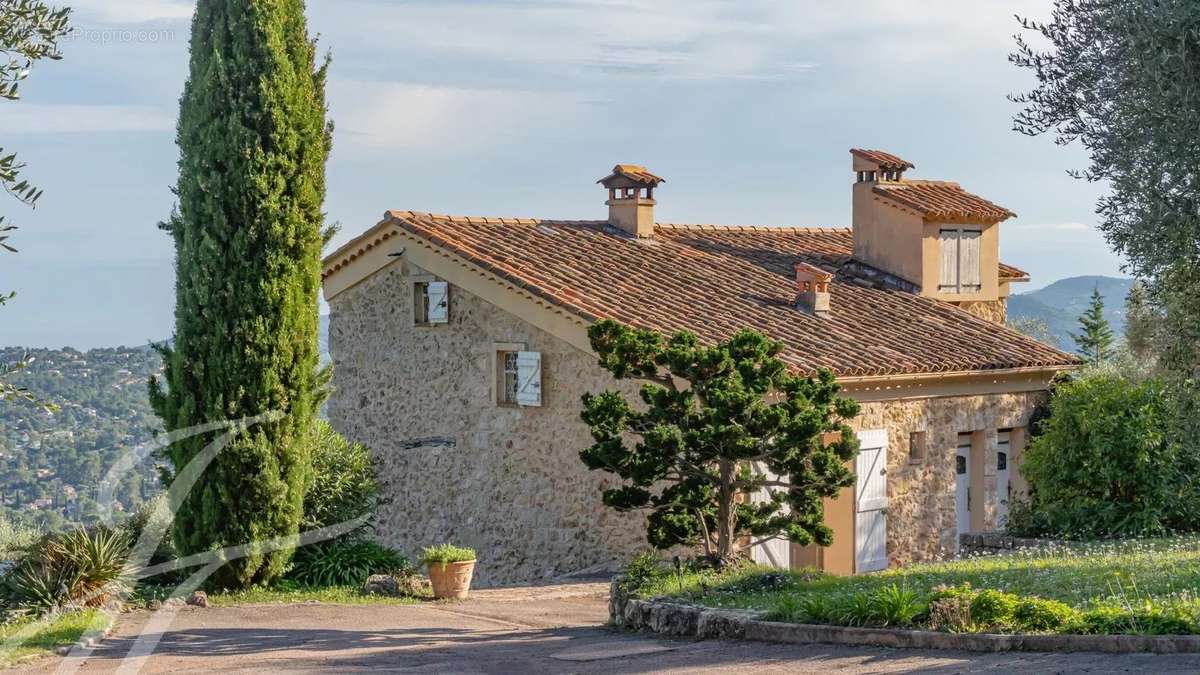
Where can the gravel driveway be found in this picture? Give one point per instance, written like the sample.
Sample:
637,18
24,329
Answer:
550,629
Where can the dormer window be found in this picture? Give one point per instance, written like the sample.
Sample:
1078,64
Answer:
962,268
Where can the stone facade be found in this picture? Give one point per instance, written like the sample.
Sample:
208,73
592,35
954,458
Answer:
508,482
922,509
995,311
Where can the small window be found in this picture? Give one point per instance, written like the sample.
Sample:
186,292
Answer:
916,446
519,378
1001,461
961,264
431,302
960,465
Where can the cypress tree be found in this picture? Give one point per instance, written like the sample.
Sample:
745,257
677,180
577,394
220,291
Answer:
1095,341
253,140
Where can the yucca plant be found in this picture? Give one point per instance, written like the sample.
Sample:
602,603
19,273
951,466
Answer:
78,568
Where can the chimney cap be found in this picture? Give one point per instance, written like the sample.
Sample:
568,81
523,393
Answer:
630,175
884,160
809,271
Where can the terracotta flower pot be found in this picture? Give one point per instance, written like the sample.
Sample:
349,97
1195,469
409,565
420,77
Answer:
451,581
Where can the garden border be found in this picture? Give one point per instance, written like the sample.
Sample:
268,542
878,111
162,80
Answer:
661,616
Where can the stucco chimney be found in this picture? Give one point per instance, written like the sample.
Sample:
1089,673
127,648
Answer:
631,199
884,238
813,284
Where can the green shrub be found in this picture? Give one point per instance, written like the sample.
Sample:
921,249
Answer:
643,570
1148,619
78,568
153,516
1103,464
343,485
896,606
1037,614
344,563
857,609
15,539
993,609
444,554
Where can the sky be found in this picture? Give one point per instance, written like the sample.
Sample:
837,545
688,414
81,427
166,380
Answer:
516,107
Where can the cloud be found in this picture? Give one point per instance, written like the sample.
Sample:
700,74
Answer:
35,118
400,116
132,11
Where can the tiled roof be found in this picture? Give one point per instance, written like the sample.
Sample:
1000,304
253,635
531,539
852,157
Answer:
1010,273
715,280
885,160
942,199
635,173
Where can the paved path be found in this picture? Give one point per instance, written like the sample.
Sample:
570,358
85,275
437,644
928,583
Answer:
539,630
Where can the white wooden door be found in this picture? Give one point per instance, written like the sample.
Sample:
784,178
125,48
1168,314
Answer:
1003,486
775,552
962,471
871,502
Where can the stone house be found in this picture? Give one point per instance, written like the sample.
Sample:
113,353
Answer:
461,354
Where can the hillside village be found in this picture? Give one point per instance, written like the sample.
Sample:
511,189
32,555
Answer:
52,462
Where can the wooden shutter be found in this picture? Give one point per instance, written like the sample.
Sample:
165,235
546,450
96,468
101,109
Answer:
970,266
871,503
439,302
949,276
529,378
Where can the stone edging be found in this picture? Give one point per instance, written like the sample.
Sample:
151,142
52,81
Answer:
683,620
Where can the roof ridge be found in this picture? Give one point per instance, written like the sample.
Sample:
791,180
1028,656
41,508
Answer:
686,227
498,220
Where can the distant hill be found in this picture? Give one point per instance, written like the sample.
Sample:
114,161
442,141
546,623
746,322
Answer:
1060,304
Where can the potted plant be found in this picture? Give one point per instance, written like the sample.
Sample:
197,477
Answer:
450,570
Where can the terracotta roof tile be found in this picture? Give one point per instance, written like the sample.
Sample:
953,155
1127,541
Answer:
715,280
942,199
635,173
885,160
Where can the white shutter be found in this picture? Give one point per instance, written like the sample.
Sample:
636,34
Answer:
871,503
949,276
969,272
529,378
439,302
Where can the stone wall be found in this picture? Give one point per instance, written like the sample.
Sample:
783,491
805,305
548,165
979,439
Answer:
994,311
508,481
922,510
505,481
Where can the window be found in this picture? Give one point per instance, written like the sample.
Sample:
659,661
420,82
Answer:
508,378
518,378
916,446
961,270
431,302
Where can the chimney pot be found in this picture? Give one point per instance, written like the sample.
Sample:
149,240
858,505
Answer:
813,284
631,199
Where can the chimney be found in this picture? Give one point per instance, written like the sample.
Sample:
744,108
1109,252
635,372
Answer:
884,238
813,283
631,199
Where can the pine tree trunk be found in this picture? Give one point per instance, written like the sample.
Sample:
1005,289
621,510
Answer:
253,141
726,515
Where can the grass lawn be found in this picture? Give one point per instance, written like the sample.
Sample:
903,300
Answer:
1134,575
22,640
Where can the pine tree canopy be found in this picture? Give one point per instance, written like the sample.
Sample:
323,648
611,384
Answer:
715,423
1095,341
253,141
